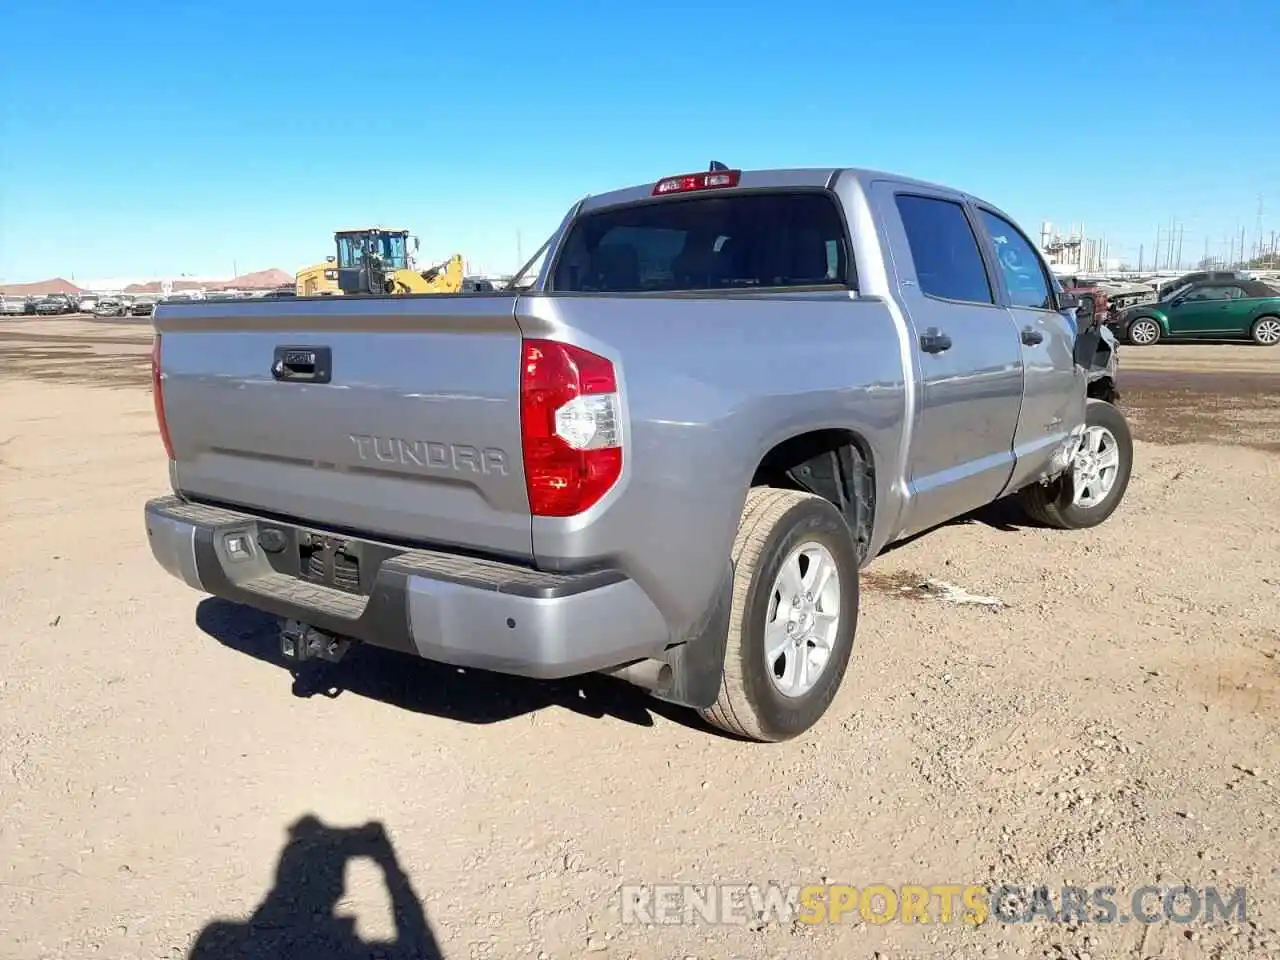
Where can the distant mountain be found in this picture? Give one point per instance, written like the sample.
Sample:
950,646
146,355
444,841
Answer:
260,280
41,288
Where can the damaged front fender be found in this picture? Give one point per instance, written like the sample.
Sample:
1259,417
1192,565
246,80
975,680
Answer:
1065,453
1097,353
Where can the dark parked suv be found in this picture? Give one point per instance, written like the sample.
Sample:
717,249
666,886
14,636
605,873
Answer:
55,303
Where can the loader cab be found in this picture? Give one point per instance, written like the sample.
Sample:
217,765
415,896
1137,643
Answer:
367,257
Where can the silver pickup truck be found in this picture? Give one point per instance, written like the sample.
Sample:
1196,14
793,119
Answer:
666,456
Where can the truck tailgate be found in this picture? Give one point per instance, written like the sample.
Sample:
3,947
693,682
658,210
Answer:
414,435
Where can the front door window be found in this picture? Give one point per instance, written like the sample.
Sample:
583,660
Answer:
1024,274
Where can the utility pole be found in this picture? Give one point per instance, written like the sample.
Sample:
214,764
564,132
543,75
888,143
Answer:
1155,259
1259,233
1140,253
519,252
1181,227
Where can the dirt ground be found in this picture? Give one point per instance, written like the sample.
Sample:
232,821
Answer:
1106,711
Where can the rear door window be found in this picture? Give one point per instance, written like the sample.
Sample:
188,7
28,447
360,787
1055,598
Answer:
737,241
944,249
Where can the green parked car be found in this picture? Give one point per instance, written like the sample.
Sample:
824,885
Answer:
1209,310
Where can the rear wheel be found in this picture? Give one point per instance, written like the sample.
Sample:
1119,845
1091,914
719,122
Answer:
1266,331
1096,482
1143,332
794,614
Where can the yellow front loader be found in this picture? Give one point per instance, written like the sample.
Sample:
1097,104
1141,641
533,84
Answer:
444,277
376,260
318,280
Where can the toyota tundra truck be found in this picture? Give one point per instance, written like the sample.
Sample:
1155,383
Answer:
664,453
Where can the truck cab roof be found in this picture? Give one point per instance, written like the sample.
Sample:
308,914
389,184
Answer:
770,179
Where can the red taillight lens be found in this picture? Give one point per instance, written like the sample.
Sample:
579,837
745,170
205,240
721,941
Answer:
570,427
157,396
687,182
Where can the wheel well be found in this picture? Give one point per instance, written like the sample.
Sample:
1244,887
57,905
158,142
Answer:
1103,388
834,464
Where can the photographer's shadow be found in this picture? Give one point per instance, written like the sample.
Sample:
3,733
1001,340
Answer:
296,919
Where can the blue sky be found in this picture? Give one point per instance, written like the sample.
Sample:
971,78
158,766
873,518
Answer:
160,138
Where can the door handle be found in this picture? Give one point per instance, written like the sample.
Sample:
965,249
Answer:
934,340
1031,336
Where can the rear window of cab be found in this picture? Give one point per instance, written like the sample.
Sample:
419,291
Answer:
737,241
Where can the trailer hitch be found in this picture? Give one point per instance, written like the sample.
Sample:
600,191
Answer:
300,642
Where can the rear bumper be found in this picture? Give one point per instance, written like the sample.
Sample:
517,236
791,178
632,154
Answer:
440,606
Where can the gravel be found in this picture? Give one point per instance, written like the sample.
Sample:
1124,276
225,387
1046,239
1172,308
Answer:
1105,712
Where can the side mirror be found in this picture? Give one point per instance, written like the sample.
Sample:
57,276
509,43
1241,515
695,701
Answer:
415,244
1178,301
1068,301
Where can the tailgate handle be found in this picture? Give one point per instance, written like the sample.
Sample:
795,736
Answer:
303,364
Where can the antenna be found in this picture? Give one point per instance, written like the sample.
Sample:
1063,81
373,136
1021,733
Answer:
718,167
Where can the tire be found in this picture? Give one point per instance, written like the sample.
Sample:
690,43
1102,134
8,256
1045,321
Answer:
1266,331
775,524
1055,504
1150,332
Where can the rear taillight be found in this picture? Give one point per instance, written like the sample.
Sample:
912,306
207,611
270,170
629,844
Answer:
688,182
157,395
570,425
